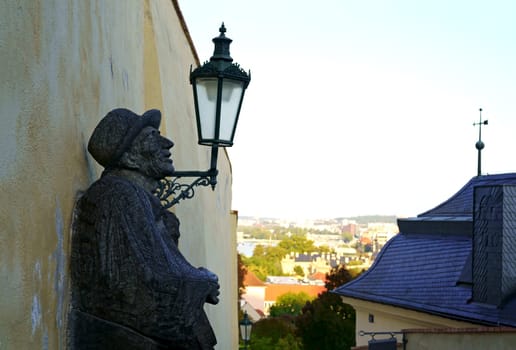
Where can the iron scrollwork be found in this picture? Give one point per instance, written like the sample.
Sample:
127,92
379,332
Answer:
170,191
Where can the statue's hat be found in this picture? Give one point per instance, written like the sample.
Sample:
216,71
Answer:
116,131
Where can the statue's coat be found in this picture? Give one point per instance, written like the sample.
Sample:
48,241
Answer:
132,287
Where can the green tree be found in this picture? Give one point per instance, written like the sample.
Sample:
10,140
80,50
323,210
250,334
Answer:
275,333
325,249
290,342
266,260
356,272
298,270
289,304
337,276
326,322
241,271
347,236
298,244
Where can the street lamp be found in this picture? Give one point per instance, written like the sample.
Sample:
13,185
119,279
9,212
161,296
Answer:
218,88
245,329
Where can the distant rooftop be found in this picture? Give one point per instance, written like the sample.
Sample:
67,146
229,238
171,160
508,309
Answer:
250,279
281,280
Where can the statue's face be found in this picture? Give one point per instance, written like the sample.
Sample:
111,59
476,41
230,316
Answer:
151,153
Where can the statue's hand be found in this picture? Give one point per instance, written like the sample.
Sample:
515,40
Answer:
213,285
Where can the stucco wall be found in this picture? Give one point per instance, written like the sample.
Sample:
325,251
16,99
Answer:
393,319
63,65
462,339
255,295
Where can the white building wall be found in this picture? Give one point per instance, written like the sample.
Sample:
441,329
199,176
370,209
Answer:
255,296
374,317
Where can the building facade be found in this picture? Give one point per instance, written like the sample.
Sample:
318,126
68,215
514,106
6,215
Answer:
451,267
63,66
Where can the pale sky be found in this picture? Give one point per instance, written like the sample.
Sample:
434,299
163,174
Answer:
360,107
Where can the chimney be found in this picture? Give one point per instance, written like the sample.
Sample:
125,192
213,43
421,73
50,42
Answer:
494,244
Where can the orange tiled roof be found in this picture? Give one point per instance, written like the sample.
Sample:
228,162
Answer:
250,279
365,240
319,276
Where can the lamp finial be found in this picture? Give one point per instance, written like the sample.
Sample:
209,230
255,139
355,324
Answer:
222,29
221,51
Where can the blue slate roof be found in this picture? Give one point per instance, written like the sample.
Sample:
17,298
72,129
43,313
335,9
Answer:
331,259
461,204
306,257
427,266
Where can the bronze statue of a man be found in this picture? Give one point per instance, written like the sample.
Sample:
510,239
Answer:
131,287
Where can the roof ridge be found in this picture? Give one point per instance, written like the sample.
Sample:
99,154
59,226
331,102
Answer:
450,199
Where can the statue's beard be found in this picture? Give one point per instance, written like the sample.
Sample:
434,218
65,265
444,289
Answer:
158,169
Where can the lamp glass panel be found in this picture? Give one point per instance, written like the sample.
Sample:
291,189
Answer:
207,104
245,331
232,91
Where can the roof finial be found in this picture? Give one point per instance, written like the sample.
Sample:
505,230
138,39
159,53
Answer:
480,145
222,30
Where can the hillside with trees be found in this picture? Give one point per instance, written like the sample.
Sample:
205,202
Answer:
266,260
277,232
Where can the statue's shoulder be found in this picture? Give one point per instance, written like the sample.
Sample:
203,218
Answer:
113,190
111,198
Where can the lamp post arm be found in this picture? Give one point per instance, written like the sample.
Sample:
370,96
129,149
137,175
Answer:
170,187
195,173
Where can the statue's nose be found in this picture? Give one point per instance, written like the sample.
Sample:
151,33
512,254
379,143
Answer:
167,143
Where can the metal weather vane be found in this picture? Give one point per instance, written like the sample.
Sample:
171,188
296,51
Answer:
479,145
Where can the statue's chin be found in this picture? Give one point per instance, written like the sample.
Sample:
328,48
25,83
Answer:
169,171
160,170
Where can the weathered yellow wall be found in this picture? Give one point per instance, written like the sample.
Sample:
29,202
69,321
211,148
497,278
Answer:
63,65
462,340
393,319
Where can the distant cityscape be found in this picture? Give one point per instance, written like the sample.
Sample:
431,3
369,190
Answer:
344,236
350,242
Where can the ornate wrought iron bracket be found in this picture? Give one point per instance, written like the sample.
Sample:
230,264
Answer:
177,191
386,343
172,188
372,334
